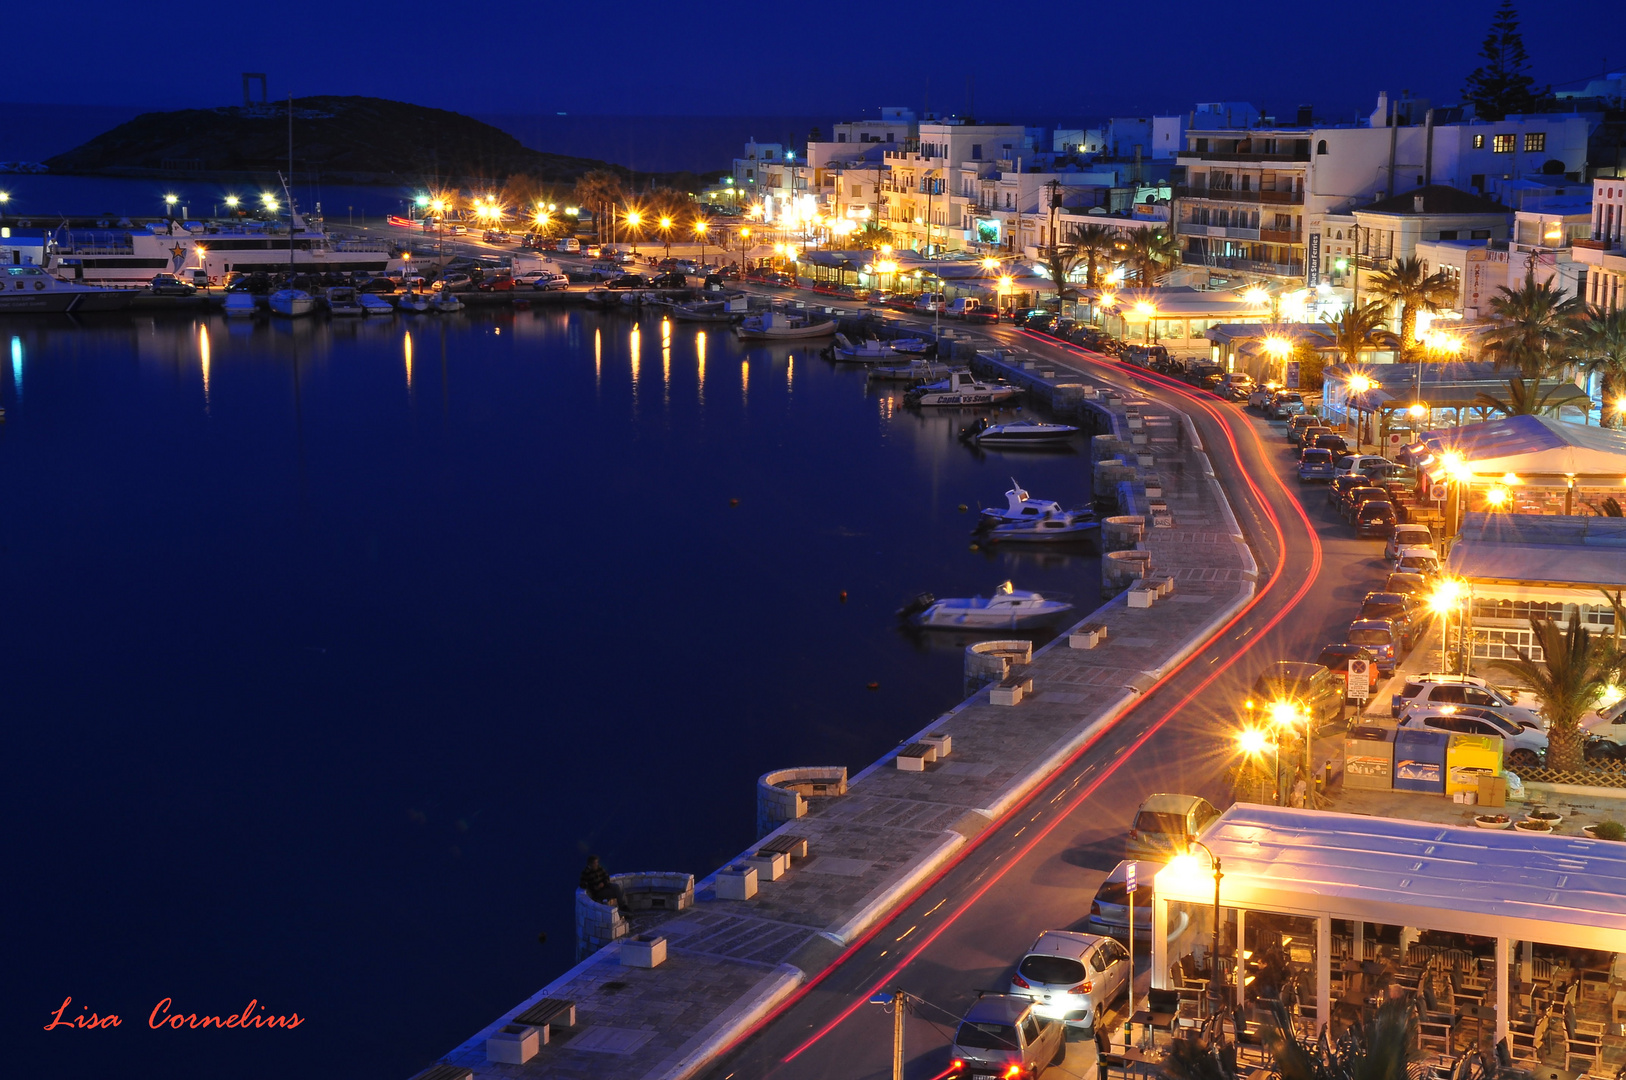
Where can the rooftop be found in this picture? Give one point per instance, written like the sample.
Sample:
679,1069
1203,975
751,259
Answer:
1534,445
1436,199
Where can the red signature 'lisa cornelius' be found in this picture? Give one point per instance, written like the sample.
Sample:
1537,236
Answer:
164,1016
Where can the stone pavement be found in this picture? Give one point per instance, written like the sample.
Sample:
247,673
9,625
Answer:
730,961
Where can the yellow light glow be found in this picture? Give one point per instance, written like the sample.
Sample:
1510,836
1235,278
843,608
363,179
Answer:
886,249
633,217
1278,346
779,249
171,200
1496,496
1418,410
700,227
1256,296
745,234
1359,384
1611,694
1005,282
1252,741
990,263
1446,596
1283,713
1511,479
1108,299
231,201
666,223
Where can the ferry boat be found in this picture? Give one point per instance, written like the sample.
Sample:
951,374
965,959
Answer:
31,289
131,255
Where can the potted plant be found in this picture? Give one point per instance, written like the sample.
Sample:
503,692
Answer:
1532,825
1550,817
1493,821
1606,830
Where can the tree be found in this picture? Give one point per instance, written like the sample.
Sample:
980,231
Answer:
1061,260
1150,250
1569,679
1096,244
1410,285
1537,327
1311,365
1524,398
872,235
599,191
1356,327
1601,341
1500,86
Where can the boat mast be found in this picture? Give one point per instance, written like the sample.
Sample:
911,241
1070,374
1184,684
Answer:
288,186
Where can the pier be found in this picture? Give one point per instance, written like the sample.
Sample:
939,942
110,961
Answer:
676,985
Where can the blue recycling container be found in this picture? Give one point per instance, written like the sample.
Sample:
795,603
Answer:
1420,760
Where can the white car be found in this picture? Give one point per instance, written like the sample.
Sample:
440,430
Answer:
1418,560
1433,688
1524,743
1409,534
1354,463
1109,911
1609,724
1071,976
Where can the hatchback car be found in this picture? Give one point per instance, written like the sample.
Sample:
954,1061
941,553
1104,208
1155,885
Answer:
1524,744
1072,977
1410,584
1341,485
1407,535
1003,1036
1331,440
1374,517
1297,423
170,285
1382,637
1408,615
1359,463
1419,560
626,281
1166,824
1109,911
1335,658
1355,496
1315,464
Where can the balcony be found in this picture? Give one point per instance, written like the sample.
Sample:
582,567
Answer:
1595,243
1231,195
1216,155
1250,266
1281,236
1224,232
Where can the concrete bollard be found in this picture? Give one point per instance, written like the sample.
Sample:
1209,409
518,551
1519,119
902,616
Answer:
782,795
1121,569
990,661
1122,532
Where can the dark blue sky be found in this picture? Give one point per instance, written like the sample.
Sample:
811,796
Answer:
788,59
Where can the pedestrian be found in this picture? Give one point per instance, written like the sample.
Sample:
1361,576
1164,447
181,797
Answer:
595,881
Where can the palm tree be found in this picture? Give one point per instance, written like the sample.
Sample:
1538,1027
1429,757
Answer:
872,235
1096,244
1061,260
1524,398
1355,327
600,191
1381,1049
1569,679
1602,340
1410,285
1150,249
1537,327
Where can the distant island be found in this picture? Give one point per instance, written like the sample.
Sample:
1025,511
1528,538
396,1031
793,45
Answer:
355,140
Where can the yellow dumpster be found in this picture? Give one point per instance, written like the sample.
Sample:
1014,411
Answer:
1467,758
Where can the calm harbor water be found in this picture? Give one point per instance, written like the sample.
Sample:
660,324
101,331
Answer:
330,649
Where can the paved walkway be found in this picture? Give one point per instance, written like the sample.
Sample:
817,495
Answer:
730,962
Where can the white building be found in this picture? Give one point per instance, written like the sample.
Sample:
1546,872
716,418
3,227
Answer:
1602,252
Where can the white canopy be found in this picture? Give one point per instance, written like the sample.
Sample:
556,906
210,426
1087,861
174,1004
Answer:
1536,446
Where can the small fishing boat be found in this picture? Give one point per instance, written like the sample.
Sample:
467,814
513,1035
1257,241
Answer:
780,325
241,305
292,302
1008,609
962,388
1051,527
445,303
1017,433
341,301
30,289
916,371
704,311
373,304
913,346
414,303
868,351
1019,506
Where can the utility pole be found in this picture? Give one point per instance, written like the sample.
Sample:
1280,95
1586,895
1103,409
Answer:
898,1005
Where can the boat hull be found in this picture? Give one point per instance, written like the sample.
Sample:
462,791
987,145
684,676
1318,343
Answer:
1003,534
961,619
966,397
790,333
64,303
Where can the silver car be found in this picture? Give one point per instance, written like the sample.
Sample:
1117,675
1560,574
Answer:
1523,740
1003,1036
1072,977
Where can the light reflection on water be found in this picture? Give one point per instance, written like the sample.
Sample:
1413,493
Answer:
317,608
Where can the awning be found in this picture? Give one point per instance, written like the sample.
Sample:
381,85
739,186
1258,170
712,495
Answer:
1536,446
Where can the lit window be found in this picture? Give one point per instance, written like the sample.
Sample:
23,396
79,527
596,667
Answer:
1479,142
1502,144
1535,142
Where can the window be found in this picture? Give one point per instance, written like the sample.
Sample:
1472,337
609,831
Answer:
1448,234
1099,960
1479,142
889,136
1030,1031
1202,146
1503,144
1480,234
1535,142
1321,147
841,136
1051,969
1477,181
976,151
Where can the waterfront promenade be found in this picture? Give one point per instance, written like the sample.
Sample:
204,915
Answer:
731,963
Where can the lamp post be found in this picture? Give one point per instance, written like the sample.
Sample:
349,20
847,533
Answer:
1358,385
700,228
1447,597
1252,742
666,234
633,218
1216,984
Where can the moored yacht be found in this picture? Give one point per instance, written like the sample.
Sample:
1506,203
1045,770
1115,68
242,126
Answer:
962,388
1008,609
292,302
1018,433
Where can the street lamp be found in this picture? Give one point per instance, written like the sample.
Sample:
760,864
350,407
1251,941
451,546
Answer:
701,227
666,234
1358,385
1187,866
1447,597
633,218
1253,742
169,204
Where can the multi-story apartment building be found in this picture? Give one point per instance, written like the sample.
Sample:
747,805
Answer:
1604,251
924,194
1241,207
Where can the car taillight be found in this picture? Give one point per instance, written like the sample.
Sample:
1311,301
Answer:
1019,981
1095,907
1083,988
957,1065
1134,834
1013,1072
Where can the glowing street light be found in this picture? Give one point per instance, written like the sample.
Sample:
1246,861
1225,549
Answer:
231,201
1256,296
1448,596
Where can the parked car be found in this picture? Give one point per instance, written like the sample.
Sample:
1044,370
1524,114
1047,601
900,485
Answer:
1237,386
1284,404
1002,1036
1072,977
1315,464
1408,615
1419,560
1341,485
1375,517
1382,637
455,283
1358,463
1524,744
932,301
550,279
1310,686
1297,424
1166,824
1335,658
1109,911
1331,440
170,285
1407,535
963,307
500,283
669,280
568,244
1439,688
1355,496
1608,726
1402,581
627,281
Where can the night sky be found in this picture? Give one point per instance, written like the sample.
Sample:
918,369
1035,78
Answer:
1036,62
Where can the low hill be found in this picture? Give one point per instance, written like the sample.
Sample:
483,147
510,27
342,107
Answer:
359,140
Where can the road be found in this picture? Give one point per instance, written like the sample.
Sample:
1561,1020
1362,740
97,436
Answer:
1038,869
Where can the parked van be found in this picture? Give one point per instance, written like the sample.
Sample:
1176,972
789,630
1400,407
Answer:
964,307
568,243
932,301
1166,825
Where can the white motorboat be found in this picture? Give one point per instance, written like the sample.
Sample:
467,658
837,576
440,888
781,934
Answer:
1008,609
413,303
445,303
780,325
241,305
916,371
869,351
963,388
1051,527
1018,433
292,302
914,346
341,301
31,289
373,304
1019,506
